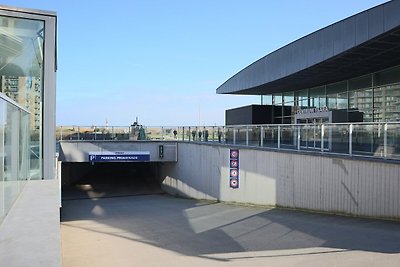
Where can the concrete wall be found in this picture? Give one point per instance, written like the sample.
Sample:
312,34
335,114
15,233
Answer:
78,151
331,184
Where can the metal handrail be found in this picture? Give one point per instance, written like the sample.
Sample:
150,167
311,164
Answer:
369,139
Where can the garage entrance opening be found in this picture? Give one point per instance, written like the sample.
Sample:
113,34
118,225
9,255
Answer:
82,180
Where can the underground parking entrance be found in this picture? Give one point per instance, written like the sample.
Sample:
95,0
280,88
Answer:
81,180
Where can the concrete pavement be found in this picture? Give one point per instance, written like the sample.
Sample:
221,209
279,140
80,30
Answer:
160,230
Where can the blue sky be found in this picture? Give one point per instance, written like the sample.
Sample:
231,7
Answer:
162,60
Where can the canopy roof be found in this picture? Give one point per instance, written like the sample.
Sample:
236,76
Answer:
361,44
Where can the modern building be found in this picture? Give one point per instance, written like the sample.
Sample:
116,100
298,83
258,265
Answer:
346,72
29,194
27,76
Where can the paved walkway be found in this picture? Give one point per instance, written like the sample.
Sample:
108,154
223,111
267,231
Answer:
30,234
160,230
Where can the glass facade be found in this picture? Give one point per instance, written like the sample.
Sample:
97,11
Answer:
376,95
21,76
14,153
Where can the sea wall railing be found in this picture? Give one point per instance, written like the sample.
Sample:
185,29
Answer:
378,140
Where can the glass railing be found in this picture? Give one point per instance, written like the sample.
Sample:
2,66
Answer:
14,152
379,140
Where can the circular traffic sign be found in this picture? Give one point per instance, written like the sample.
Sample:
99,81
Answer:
234,183
234,163
234,154
234,173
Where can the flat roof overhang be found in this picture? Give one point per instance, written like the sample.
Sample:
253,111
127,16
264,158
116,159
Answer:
361,44
27,11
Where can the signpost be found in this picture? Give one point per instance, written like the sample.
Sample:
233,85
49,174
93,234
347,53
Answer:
234,168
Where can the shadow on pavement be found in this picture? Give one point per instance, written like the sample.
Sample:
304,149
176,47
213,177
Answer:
197,228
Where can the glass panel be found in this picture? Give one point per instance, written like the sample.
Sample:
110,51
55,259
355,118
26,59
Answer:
169,133
393,144
362,100
266,100
179,133
336,88
302,99
14,154
387,103
388,76
152,133
318,97
270,136
338,138
229,135
342,100
368,140
306,136
188,131
21,72
23,174
288,98
220,134
201,134
310,135
336,95
288,137
3,115
254,135
278,99
11,156
240,136
360,82
332,102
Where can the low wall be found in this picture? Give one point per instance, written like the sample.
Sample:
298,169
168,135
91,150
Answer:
294,180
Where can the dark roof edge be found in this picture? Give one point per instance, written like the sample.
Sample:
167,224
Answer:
297,40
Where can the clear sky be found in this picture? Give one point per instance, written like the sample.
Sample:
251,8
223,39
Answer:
162,60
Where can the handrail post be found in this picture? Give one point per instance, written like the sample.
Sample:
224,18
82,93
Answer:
234,136
351,139
61,133
262,137
213,129
298,137
385,140
322,137
279,137
79,130
247,135
95,133
189,134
